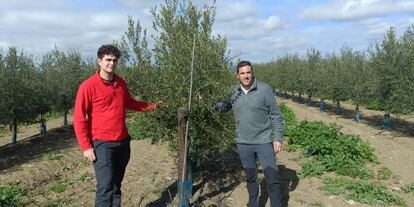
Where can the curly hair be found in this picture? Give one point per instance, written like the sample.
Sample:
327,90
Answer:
108,50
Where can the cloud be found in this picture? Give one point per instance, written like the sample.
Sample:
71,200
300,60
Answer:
357,9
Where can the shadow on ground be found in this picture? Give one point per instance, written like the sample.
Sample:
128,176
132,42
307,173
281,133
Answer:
217,178
36,146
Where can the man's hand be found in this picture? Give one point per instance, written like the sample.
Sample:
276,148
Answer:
159,105
89,154
277,146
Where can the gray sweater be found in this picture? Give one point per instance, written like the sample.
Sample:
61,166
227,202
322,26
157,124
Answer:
258,118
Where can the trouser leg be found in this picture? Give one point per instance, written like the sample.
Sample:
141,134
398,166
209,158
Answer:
267,158
120,163
103,167
248,160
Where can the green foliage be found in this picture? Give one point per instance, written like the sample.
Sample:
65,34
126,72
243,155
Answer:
59,186
316,204
409,188
384,173
52,156
85,177
312,168
337,152
289,117
11,195
361,191
139,126
374,105
164,74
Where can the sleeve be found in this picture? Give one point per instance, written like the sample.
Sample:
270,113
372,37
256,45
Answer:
275,115
80,120
135,105
223,106
228,104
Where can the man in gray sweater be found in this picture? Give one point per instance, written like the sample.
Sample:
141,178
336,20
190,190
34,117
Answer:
259,131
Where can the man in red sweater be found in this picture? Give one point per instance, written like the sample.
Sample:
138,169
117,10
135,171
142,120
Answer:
99,122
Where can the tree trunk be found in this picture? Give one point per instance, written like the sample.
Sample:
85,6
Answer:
14,131
65,119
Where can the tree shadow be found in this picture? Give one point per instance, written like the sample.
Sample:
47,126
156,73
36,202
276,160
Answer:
219,175
30,148
396,125
224,174
167,196
288,182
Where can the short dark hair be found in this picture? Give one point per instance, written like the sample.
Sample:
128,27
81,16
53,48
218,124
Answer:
108,49
242,64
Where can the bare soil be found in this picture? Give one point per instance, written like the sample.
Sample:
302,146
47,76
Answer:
38,162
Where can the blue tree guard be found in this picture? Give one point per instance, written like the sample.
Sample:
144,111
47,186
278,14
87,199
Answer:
309,100
322,106
357,117
42,127
186,189
386,121
338,110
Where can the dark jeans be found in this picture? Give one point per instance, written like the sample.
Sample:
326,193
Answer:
111,161
266,154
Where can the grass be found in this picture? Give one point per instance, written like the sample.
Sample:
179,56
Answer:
59,186
11,195
85,177
52,156
362,191
316,204
384,173
409,188
331,150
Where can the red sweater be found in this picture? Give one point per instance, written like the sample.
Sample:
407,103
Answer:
100,110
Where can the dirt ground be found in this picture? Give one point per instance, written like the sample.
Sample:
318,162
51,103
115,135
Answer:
38,162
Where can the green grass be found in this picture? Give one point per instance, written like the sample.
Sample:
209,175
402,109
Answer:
85,177
331,149
11,195
52,156
316,204
59,186
409,188
384,173
362,191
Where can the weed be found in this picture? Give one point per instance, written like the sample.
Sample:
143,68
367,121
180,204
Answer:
52,156
384,173
408,188
11,195
59,186
156,191
316,204
312,168
85,177
361,191
341,153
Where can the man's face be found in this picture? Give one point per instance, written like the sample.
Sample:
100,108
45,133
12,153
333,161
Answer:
245,76
108,63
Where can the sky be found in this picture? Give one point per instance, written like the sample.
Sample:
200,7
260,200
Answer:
258,31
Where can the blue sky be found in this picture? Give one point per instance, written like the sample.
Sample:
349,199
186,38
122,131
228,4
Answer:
256,30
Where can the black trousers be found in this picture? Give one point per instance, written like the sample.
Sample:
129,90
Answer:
266,154
110,164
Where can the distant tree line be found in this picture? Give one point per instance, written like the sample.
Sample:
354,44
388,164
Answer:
30,88
380,78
